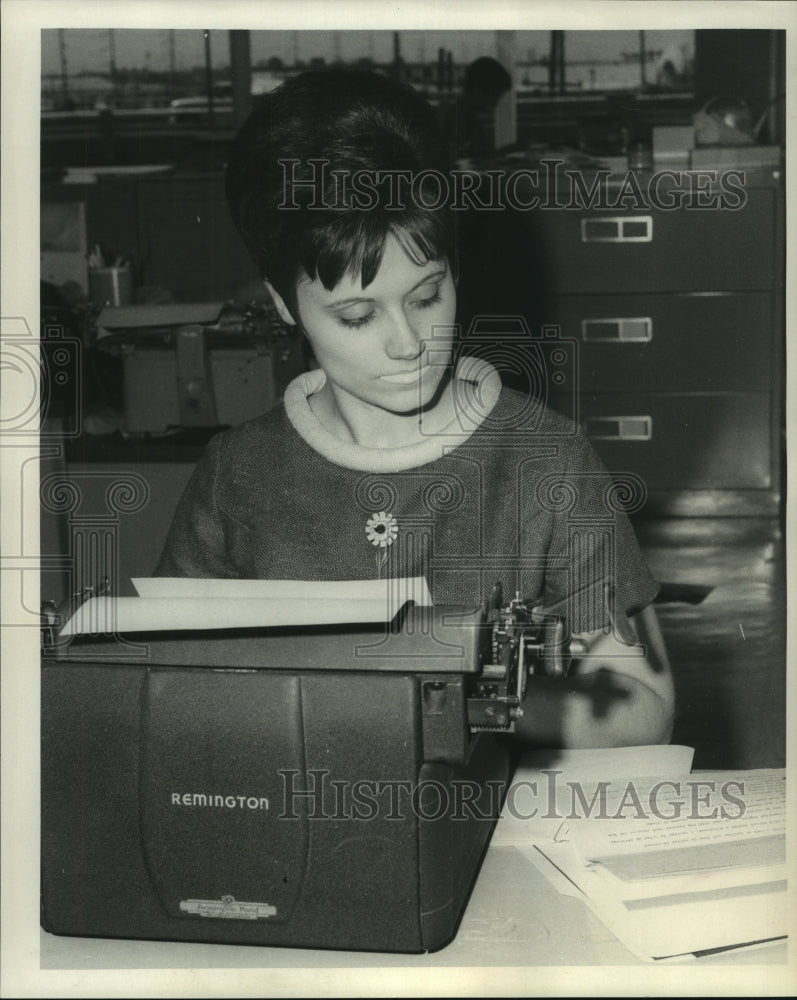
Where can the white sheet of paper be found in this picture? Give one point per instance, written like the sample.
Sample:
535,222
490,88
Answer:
606,763
534,783
401,590
671,884
691,811
687,925
176,603
111,615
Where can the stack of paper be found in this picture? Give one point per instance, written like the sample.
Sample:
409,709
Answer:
673,863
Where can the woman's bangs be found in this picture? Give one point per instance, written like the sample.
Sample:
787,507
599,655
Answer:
354,244
423,239
351,244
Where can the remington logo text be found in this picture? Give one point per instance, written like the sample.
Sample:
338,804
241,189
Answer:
199,799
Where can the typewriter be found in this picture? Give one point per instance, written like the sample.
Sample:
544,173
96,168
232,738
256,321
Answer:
206,364
326,787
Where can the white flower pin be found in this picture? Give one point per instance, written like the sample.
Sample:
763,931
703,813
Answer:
381,529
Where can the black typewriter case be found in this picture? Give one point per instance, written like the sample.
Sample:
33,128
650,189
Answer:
317,788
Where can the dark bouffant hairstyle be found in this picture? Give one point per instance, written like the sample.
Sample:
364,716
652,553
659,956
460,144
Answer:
350,122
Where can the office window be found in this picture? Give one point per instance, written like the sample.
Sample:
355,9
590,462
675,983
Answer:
573,63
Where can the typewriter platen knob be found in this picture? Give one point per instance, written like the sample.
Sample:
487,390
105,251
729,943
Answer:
523,641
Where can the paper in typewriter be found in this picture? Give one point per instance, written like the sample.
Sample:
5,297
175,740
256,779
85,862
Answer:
170,603
672,865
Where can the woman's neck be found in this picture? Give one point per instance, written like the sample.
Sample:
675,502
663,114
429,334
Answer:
351,420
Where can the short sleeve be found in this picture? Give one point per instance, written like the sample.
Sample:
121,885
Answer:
594,560
195,545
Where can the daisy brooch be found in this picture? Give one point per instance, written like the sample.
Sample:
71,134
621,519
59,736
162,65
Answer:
381,531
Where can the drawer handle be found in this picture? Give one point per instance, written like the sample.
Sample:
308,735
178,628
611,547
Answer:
627,330
619,428
618,229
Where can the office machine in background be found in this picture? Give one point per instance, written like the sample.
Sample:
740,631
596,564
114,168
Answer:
205,364
330,787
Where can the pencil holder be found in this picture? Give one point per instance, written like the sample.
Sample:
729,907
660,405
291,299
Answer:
111,286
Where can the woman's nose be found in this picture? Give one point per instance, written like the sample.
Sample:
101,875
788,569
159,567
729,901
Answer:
404,341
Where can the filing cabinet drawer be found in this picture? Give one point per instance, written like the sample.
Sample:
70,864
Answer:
682,250
675,441
676,342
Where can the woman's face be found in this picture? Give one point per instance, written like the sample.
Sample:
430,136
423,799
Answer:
386,345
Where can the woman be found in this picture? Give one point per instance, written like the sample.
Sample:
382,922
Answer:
395,458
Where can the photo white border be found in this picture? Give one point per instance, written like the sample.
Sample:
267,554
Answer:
22,21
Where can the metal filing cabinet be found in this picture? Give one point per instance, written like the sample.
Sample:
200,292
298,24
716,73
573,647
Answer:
678,319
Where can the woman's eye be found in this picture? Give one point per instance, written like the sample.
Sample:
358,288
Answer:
354,322
427,303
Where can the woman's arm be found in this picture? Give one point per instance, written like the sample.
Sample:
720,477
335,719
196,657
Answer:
195,545
616,695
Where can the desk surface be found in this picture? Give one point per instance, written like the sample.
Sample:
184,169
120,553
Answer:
514,918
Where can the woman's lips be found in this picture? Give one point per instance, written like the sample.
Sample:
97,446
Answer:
406,377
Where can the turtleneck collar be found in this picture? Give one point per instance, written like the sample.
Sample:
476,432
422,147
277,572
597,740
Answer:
476,387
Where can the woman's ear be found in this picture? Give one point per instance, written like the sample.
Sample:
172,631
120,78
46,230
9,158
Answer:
279,302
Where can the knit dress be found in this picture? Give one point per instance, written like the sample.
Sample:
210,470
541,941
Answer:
510,492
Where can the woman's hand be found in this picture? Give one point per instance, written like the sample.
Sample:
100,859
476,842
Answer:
615,695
